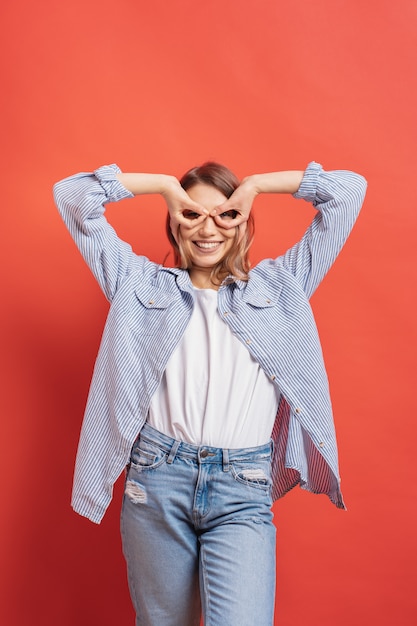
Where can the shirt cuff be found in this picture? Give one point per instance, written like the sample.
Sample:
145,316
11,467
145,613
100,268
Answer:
308,188
114,190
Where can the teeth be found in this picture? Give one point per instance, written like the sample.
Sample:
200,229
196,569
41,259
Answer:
207,245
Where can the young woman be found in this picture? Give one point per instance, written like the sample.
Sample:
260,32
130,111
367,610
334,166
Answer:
209,385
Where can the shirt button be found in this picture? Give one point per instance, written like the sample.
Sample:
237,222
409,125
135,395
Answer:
321,444
248,341
268,301
298,410
272,376
226,313
151,302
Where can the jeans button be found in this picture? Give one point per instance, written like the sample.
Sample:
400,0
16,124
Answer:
204,454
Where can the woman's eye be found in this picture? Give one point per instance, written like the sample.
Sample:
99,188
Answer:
191,215
228,215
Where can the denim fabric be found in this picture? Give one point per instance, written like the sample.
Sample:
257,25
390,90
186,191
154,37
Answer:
197,533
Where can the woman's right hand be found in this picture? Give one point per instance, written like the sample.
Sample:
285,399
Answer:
182,210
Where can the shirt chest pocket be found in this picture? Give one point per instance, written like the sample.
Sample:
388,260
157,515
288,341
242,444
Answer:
267,311
149,311
261,298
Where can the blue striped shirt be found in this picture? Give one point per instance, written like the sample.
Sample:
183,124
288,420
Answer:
151,306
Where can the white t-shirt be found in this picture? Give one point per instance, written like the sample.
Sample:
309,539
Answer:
213,392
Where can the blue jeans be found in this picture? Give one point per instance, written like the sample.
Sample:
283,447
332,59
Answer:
197,533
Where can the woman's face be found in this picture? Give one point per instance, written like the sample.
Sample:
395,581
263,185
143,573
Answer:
207,244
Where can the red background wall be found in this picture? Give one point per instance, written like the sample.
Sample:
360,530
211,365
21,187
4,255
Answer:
259,85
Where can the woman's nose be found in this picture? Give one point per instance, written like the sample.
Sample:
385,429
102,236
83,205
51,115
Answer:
208,227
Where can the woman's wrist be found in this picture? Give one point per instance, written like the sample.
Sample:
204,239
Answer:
142,183
274,182
252,184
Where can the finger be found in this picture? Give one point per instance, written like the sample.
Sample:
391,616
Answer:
228,208
190,219
227,222
178,221
174,227
201,209
192,213
221,208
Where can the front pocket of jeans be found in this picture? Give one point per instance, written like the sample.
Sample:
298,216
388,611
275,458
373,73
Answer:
146,456
256,476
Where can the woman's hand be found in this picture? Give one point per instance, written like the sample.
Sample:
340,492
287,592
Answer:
237,208
182,210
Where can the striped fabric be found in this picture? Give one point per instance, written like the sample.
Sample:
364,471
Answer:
151,306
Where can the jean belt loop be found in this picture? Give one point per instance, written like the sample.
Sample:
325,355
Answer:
226,464
173,451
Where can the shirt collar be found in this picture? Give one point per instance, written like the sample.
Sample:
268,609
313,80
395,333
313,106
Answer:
184,281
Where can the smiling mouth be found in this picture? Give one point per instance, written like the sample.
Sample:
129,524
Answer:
207,245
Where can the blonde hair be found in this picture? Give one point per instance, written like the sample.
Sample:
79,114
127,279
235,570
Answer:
235,265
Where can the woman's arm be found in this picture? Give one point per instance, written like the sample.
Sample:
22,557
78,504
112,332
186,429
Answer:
81,200
143,183
242,198
336,195
178,201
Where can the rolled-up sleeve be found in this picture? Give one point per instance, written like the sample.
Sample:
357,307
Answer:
338,197
81,201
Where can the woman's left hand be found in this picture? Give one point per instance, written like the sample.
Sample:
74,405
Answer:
241,200
237,207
